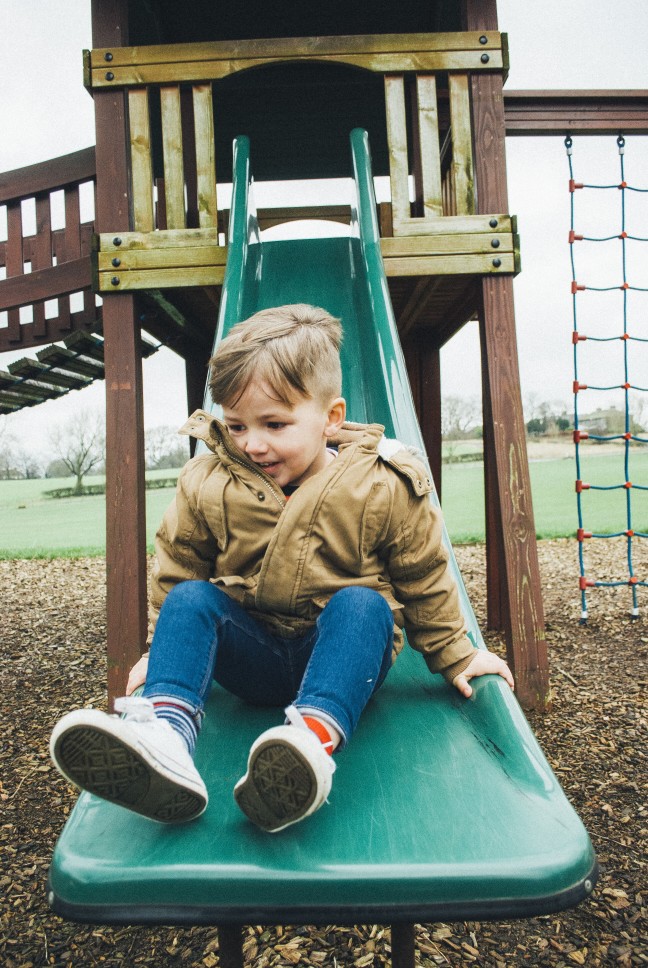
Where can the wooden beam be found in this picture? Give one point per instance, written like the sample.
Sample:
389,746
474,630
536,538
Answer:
46,176
519,584
125,493
44,284
533,113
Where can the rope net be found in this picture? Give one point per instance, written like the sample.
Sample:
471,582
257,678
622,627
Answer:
610,320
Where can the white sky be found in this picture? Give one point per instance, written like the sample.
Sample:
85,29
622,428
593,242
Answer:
45,112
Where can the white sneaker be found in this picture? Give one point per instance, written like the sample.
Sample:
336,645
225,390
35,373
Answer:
289,776
138,761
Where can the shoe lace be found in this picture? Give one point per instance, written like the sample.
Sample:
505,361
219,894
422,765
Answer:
295,718
136,708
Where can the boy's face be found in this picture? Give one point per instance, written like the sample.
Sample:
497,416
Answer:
287,441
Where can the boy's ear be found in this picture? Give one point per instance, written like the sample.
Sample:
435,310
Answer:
336,416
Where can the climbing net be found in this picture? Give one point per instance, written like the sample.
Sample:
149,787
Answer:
617,322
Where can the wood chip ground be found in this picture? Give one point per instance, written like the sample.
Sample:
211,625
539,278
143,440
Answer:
52,659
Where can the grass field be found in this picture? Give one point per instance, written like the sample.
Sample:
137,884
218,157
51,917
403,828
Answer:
32,525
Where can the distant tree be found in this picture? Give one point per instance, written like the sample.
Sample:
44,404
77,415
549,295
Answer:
57,468
79,443
27,465
164,449
8,444
459,417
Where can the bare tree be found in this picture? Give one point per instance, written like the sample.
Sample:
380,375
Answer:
459,415
165,449
80,444
8,444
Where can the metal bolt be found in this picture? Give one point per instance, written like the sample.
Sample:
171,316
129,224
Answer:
495,243
117,240
108,56
497,263
493,223
114,281
483,39
484,59
588,886
110,76
116,262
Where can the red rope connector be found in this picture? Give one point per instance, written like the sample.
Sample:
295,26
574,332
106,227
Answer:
575,238
577,338
573,185
627,436
579,386
581,486
584,583
633,580
623,184
623,235
576,288
625,336
581,534
627,485
625,386
630,534
626,285
580,435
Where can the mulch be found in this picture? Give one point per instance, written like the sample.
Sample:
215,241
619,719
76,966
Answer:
52,649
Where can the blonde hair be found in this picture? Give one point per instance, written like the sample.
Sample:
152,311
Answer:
294,349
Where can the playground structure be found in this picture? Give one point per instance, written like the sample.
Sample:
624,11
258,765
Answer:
432,101
621,323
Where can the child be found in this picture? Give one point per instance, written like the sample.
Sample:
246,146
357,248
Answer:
295,552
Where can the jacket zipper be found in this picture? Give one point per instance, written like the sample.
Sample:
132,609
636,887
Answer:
265,483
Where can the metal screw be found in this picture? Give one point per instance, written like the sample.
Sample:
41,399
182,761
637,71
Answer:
497,263
114,281
588,886
117,240
108,56
110,76
495,243
116,262
483,39
484,59
493,223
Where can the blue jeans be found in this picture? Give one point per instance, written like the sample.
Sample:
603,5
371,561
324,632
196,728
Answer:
330,672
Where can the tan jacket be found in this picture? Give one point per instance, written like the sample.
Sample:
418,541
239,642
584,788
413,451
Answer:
365,520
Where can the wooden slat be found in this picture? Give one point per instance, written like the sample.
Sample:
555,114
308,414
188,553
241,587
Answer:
462,159
164,258
166,238
397,144
162,278
205,156
449,265
45,284
34,370
42,254
14,266
577,112
172,151
141,161
459,224
212,70
455,244
428,124
294,47
67,360
50,175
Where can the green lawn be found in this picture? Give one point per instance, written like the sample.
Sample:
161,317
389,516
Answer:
32,525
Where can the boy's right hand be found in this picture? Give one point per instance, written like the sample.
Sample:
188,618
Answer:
137,675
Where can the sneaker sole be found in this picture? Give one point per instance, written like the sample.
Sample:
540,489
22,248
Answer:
279,787
100,763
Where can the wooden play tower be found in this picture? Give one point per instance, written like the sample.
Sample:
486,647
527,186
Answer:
173,85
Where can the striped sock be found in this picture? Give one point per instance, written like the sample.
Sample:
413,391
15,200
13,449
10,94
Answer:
181,716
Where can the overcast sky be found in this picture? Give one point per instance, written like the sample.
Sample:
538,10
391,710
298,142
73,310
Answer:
45,112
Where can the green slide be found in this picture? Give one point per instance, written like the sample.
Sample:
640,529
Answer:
442,808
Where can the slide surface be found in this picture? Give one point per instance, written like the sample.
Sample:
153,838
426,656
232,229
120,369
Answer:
441,809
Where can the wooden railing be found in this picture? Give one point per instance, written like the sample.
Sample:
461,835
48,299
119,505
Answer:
175,221
45,270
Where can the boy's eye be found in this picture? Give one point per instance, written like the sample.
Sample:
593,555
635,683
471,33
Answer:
235,428
275,425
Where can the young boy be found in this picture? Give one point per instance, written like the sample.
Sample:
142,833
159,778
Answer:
295,552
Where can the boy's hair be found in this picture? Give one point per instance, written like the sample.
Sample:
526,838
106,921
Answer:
295,349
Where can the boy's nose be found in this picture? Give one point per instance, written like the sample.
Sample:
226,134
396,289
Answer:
255,444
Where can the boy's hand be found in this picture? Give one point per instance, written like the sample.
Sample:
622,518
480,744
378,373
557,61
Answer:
483,663
137,675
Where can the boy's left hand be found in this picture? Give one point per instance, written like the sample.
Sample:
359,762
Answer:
483,663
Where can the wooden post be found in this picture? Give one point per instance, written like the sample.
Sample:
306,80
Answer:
423,361
403,946
508,478
125,509
230,946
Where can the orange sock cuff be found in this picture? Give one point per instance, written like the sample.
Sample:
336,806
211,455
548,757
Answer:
321,732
